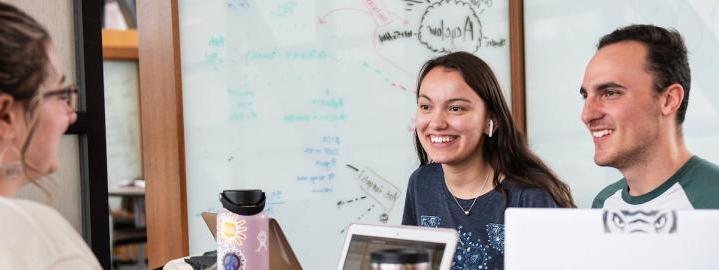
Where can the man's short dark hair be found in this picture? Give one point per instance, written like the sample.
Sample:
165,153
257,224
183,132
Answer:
666,56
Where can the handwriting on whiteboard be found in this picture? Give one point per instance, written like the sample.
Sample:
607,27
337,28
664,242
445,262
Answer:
242,103
324,161
326,108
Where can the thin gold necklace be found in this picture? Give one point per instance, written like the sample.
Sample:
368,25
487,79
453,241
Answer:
468,211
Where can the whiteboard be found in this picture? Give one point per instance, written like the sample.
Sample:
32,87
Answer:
313,102
557,55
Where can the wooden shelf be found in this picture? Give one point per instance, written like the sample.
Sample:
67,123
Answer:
119,44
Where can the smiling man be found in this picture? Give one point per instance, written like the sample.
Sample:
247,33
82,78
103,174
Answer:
636,92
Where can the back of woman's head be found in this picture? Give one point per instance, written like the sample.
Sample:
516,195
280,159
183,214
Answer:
24,68
507,151
24,58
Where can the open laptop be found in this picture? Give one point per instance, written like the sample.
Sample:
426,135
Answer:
611,239
363,239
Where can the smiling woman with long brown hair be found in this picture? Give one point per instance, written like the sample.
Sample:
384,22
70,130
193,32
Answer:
474,163
37,105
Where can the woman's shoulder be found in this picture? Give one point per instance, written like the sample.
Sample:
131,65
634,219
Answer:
426,173
522,195
26,211
33,228
33,220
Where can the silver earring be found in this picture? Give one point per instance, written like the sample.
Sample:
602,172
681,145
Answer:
491,128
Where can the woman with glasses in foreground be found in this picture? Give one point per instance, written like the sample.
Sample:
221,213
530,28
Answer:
36,108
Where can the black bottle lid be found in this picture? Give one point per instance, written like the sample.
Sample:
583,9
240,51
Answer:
244,202
399,256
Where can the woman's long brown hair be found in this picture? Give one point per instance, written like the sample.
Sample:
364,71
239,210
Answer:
507,151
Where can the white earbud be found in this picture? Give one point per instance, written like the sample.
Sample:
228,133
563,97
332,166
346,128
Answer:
491,128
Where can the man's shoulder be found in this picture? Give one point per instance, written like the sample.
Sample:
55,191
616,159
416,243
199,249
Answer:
701,183
705,167
699,173
607,192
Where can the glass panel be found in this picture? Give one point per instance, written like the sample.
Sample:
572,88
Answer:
63,185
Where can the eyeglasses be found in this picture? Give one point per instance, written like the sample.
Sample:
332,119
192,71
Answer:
67,94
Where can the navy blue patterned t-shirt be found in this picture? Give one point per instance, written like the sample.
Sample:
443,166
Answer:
481,234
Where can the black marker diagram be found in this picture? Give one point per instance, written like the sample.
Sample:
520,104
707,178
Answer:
439,25
442,33
375,187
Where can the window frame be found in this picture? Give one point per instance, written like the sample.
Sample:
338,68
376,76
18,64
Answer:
90,128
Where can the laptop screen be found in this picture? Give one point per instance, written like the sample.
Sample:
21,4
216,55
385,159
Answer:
362,246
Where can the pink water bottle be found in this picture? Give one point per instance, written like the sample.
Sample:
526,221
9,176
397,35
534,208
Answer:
242,231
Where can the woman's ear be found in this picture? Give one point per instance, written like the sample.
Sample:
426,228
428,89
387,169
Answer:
7,116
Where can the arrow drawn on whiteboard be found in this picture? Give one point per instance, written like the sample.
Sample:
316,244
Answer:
352,167
365,212
379,72
381,18
360,217
343,203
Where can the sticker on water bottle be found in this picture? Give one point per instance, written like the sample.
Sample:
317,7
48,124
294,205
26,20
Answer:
233,259
232,230
262,240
